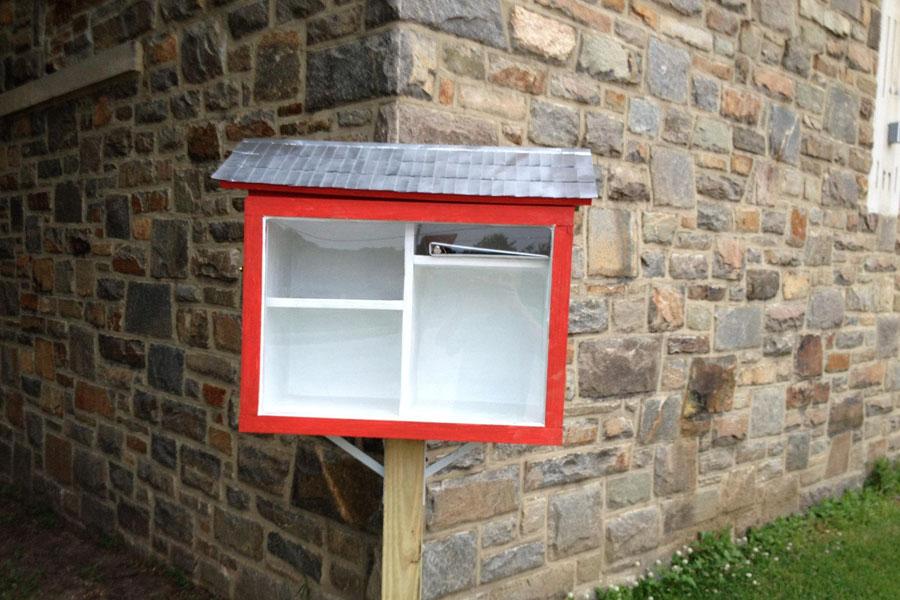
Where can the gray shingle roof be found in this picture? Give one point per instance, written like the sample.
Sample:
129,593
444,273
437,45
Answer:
417,168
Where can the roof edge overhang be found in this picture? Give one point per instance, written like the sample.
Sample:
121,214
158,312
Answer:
355,194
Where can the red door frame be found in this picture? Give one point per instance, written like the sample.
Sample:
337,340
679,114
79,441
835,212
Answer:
271,201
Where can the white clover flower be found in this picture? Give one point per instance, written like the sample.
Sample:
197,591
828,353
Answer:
637,563
749,575
658,562
690,550
727,566
678,553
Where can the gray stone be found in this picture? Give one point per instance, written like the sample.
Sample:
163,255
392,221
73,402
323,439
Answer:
643,117
667,73
118,216
628,183
201,52
575,467
713,217
767,409
239,534
248,18
738,327
712,135
840,188
262,469
672,174
797,453
449,564
797,57
628,490
653,263
685,7
762,284
688,266
500,532
169,248
479,20
278,68
184,419
81,351
677,126
604,58
784,135
777,14
614,367
165,368
179,10
604,135
720,187
632,533
511,561
574,522
887,330
748,140
148,309
302,560
818,249
810,98
590,315
255,584
659,419
706,93
67,203
826,308
841,114
286,10
553,124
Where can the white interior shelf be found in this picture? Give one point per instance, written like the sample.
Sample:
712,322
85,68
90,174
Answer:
360,323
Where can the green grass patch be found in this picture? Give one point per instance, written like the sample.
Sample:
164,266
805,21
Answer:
845,548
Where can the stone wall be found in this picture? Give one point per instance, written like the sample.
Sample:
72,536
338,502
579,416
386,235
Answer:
733,351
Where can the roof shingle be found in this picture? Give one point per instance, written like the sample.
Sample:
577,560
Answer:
417,168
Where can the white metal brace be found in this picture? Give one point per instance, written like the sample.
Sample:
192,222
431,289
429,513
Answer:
378,468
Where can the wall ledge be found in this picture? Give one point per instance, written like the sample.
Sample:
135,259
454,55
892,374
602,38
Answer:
127,58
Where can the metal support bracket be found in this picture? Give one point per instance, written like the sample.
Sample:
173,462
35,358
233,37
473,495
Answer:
432,469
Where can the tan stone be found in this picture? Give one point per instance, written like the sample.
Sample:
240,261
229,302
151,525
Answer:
541,35
93,399
837,362
612,247
747,220
520,76
473,497
867,375
597,20
839,455
492,101
775,83
741,106
794,285
44,360
666,309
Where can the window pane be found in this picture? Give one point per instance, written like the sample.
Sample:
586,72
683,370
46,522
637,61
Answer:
310,258
468,239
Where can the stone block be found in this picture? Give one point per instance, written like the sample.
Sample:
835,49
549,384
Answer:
239,534
169,248
553,124
614,367
574,467
767,409
304,562
841,114
472,497
612,243
574,522
762,284
659,419
449,564
604,135
710,388
808,357
512,561
201,52
544,37
633,533
667,73
826,308
672,174
675,468
738,327
148,309
784,135
604,58
590,315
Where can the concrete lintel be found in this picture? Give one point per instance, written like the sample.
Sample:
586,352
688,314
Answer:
126,58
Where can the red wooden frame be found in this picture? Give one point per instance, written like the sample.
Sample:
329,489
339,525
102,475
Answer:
274,201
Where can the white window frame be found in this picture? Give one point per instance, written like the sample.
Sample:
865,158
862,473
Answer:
884,176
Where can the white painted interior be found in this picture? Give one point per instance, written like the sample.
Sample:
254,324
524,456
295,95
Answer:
357,326
884,177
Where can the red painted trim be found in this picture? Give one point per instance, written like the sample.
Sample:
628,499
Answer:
256,188
260,205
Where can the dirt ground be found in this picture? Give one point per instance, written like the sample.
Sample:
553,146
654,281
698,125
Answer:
43,557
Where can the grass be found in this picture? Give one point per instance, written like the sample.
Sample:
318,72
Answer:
847,548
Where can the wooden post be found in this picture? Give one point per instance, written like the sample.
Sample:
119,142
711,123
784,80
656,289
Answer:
404,516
